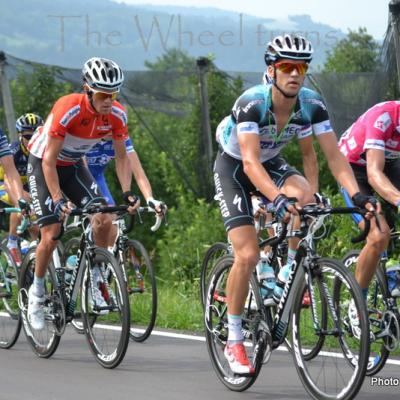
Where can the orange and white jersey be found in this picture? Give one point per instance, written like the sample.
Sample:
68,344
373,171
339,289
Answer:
73,120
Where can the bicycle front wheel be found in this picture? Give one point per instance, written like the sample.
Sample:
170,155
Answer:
43,342
376,303
216,325
215,252
105,297
10,318
329,375
142,289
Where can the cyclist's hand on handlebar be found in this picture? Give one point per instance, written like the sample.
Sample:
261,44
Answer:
283,208
158,206
370,203
24,206
61,209
132,201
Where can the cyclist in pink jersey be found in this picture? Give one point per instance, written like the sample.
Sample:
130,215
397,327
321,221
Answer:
372,146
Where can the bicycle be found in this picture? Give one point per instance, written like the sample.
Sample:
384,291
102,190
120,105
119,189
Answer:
383,311
138,272
10,319
326,374
106,327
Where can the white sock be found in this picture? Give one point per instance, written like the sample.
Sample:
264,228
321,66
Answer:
38,286
235,333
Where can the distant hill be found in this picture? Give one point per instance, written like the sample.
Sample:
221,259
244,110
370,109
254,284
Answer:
67,32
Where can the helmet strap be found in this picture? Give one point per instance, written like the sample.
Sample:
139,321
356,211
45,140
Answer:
288,96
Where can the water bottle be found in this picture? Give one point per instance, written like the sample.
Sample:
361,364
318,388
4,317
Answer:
266,276
24,247
393,277
70,265
283,276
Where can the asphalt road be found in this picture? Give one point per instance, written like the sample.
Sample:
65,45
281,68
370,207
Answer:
170,368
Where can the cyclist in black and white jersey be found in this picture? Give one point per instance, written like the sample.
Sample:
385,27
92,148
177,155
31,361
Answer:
263,120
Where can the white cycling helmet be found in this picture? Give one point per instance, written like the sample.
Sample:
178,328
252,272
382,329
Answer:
292,47
102,74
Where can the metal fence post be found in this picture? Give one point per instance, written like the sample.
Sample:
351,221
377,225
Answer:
7,99
394,9
202,64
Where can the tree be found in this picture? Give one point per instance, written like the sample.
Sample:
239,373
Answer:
358,52
37,92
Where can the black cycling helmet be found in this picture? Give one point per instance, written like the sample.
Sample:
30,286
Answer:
28,122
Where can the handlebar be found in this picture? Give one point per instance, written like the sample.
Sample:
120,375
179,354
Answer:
315,210
102,209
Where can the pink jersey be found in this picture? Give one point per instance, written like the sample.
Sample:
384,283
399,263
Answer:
378,128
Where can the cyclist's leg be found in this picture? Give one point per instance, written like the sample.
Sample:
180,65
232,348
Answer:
233,194
378,238
49,227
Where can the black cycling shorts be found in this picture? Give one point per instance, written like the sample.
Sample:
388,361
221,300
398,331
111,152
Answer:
76,183
233,187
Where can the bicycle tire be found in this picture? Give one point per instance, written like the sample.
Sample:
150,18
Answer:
215,318
378,353
45,342
328,375
10,316
214,252
110,328
142,288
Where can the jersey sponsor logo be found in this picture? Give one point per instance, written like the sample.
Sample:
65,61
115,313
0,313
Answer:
251,104
248,127
34,195
383,122
71,113
94,187
219,196
237,201
283,167
29,168
352,143
317,102
49,203
85,122
104,128
392,143
120,114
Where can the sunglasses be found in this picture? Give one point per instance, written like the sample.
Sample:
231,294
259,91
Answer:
288,67
103,95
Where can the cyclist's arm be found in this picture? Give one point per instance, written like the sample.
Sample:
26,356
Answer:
310,162
140,176
250,151
49,166
337,162
122,167
13,177
377,179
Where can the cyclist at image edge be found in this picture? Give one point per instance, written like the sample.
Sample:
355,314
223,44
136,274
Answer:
26,124
263,120
56,171
99,157
372,146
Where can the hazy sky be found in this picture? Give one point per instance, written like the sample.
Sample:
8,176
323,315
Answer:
342,14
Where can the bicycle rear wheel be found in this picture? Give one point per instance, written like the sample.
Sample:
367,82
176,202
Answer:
216,251
108,338
44,342
216,325
10,318
377,295
142,288
329,375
